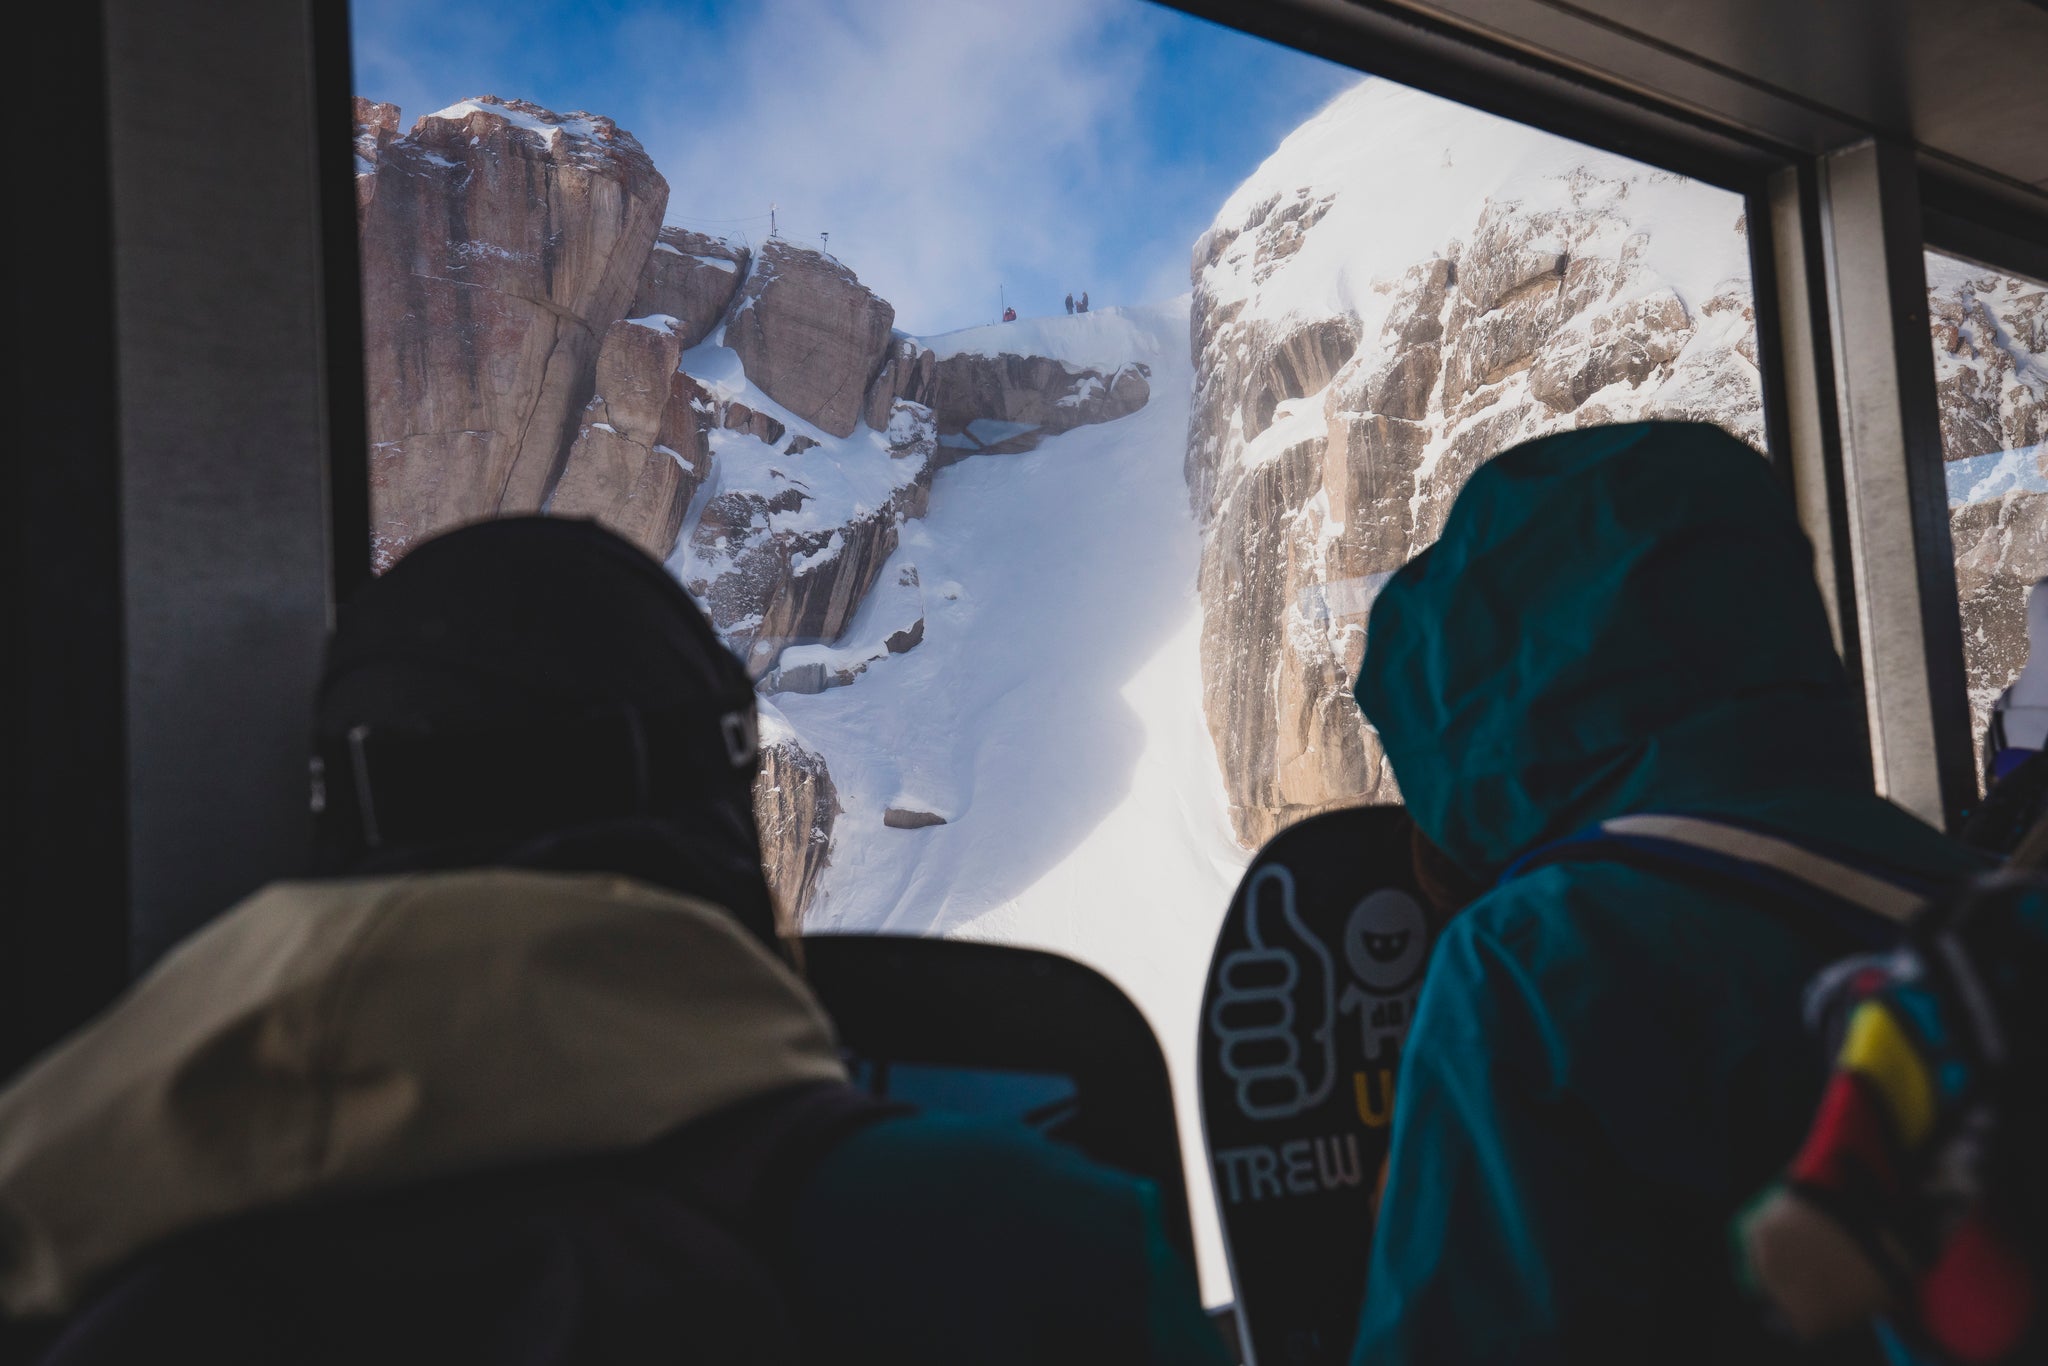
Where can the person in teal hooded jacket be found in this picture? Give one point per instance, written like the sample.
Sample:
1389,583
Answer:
1606,1061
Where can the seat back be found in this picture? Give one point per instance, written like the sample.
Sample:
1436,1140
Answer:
1314,980
994,1030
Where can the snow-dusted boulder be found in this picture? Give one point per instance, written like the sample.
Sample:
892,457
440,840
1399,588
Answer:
1008,402
810,334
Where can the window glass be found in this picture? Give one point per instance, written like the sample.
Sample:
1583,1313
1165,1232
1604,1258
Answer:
1036,401
1991,376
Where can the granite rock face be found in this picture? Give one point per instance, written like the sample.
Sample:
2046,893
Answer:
1342,399
796,807
641,451
1990,334
691,278
500,241
810,334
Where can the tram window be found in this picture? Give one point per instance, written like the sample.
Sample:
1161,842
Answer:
1036,403
1991,372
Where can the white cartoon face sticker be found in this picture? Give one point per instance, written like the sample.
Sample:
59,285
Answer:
1386,940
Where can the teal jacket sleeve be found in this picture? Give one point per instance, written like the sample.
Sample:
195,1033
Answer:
933,1239
1536,1208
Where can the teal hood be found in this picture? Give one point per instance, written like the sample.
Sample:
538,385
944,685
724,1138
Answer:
1615,619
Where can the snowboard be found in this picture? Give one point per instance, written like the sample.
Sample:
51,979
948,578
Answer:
1309,995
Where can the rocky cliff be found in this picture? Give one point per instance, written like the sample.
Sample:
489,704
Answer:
1404,289
1991,371
537,341
500,240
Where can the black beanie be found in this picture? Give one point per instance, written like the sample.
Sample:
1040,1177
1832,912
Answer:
538,692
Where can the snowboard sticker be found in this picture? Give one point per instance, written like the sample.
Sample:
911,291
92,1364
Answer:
1310,991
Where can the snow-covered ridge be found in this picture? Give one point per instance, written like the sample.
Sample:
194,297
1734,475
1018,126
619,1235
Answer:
1102,339
1385,177
527,117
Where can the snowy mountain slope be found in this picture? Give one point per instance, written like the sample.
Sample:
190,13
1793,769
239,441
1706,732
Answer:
1051,714
1403,289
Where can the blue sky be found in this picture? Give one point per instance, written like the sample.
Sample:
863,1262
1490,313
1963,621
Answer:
948,146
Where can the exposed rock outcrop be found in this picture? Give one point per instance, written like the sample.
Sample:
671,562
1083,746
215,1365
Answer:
1340,405
641,452
810,334
782,583
1006,403
500,241
1991,372
910,818
796,807
691,278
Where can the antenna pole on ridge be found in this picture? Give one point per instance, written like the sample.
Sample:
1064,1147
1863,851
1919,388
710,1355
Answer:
771,219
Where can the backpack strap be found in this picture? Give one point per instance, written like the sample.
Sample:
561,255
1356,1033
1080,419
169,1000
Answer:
1844,906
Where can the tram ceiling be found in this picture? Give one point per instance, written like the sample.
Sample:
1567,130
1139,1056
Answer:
1959,80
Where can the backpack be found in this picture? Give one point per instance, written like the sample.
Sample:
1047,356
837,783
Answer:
1919,1198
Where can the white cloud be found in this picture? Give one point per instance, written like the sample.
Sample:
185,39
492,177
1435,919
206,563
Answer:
947,146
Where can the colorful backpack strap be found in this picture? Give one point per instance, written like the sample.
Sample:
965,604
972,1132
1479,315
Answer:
1846,906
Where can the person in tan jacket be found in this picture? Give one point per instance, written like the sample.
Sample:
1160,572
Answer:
524,1072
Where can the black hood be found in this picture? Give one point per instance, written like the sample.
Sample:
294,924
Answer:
537,692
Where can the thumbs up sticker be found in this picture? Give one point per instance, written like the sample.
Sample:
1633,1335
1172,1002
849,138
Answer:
1275,1006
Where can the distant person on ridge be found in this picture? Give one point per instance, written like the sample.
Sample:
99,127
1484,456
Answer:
1082,307
524,1074
1009,315
1070,303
